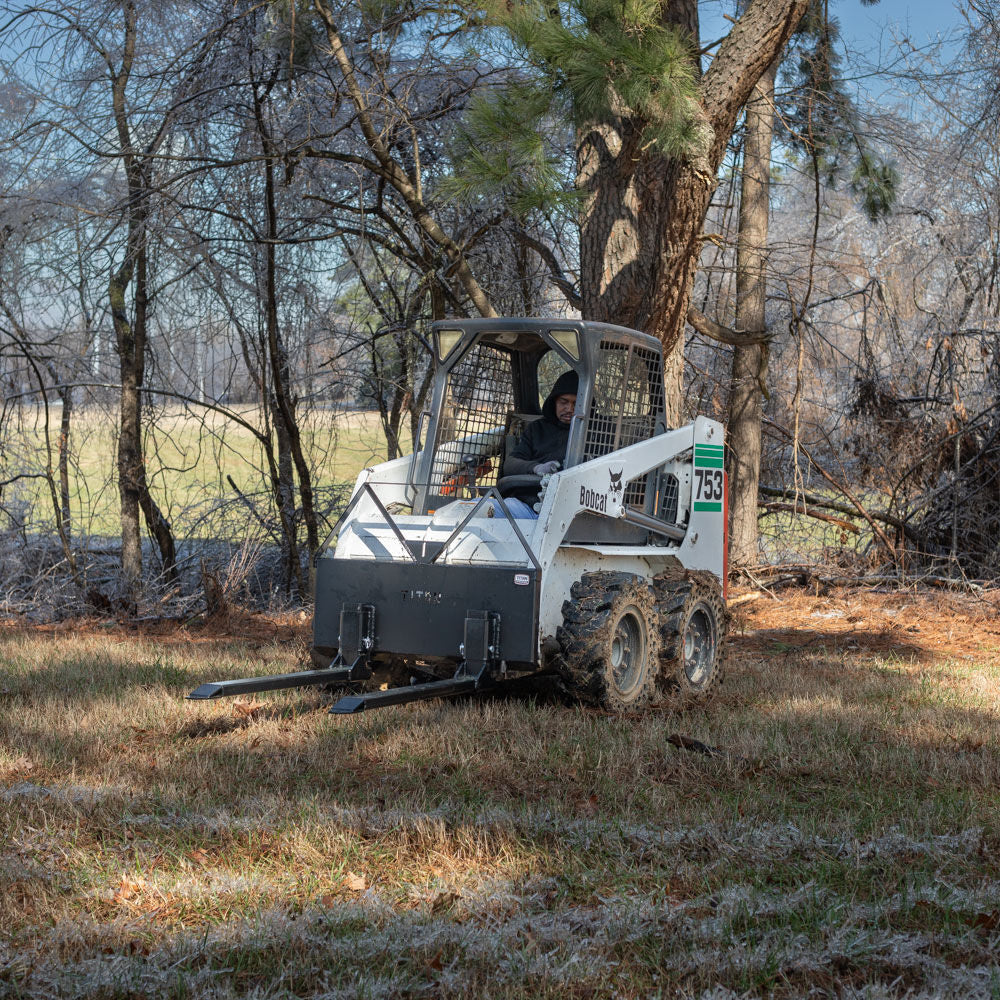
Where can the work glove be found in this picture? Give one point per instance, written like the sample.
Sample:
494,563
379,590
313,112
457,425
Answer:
545,468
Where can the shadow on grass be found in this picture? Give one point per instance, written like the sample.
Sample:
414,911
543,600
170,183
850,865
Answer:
816,727
790,642
522,745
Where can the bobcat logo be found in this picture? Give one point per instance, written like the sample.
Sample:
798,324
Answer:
616,483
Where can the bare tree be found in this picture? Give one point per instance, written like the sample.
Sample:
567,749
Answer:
123,117
749,367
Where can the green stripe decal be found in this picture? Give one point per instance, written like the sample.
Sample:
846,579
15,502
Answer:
706,507
708,456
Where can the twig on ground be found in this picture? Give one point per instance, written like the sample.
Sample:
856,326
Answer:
696,746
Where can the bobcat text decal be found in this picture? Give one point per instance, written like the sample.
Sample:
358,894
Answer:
598,502
593,500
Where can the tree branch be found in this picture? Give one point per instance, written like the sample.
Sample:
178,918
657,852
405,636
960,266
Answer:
716,331
858,506
558,277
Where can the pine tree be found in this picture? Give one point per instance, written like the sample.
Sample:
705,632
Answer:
650,133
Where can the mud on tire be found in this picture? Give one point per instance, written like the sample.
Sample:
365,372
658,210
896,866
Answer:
692,629
609,642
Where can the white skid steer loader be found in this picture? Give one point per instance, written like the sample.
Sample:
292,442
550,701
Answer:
429,586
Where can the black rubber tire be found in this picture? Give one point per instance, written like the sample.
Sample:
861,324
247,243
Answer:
692,631
609,644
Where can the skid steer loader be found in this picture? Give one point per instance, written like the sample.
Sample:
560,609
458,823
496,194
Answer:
428,586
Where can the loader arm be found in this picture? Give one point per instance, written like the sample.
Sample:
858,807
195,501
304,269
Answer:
598,487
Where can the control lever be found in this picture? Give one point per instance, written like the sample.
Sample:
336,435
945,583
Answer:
471,463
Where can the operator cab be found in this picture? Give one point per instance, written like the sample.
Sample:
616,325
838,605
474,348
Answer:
493,377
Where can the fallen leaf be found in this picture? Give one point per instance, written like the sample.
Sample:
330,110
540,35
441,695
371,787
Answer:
199,857
20,765
443,900
127,889
247,709
986,921
356,883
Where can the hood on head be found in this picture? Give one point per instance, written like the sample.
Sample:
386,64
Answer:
566,385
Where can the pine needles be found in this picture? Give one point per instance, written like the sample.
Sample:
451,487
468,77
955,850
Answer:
582,62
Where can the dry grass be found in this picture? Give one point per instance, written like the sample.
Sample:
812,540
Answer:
844,843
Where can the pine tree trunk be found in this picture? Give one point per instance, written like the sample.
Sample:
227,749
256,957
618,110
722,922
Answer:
640,240
643,213
750,360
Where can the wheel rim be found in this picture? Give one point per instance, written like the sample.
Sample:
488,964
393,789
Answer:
628,652
699,647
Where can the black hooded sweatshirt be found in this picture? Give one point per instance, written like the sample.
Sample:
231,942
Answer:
543,440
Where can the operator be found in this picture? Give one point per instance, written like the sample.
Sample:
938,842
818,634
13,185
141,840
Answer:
542,447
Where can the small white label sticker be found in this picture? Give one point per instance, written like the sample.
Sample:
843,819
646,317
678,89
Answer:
522,579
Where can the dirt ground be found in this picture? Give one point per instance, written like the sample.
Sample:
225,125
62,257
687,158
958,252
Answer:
928,623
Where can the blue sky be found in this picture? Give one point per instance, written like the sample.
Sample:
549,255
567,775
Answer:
865,30
870,36
920,20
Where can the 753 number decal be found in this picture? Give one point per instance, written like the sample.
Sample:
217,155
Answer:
708,484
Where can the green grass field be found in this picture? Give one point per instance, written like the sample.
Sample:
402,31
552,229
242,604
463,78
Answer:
842,842
189,461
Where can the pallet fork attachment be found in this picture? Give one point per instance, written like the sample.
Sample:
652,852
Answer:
275,682
481,649
357,635
459,684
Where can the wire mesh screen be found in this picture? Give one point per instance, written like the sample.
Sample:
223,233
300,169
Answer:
471,430
627,398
